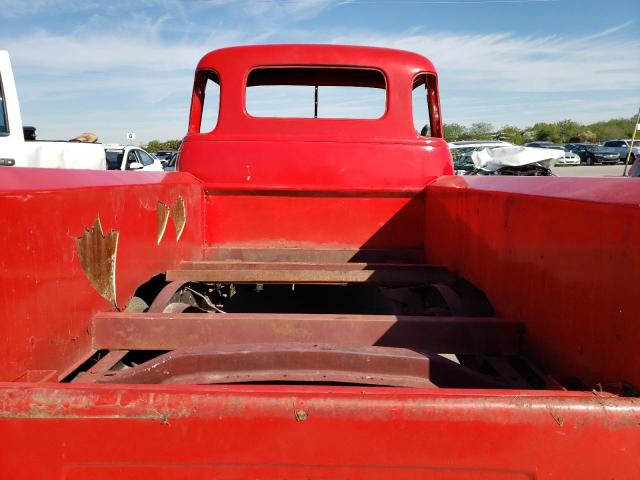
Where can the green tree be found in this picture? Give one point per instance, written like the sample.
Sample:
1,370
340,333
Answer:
454,132
156,146
589,136
511,133
153,146
614,128
546,132
567,129
481,131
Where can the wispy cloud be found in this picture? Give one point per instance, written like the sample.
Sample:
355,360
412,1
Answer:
151,73
506,62
25,8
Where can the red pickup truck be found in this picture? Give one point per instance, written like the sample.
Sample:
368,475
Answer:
317,298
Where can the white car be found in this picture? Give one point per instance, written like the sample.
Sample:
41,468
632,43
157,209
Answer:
128,157
569,158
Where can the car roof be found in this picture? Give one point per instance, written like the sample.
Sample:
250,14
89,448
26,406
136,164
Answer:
117,146
478,142
453,146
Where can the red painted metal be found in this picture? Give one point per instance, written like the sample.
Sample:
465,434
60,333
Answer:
309,182
45,294
332,275
557,254
281,362
153,331
336,266
164,297
320,255
102,366
309,222
198,432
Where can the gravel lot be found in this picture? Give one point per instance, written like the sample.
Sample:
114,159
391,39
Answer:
590,171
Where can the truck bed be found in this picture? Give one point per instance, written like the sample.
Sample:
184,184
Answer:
475,354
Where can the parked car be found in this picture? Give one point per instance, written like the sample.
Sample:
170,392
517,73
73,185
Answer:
590,153
569,158
461,152
164,156
544,145
623,147
136,159
170,162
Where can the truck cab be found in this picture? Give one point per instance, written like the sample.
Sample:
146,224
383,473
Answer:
299,160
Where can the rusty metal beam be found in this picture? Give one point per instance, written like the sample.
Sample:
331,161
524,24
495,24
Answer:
338,266
282,362
321,255
102,366
314,276
165,331
164,297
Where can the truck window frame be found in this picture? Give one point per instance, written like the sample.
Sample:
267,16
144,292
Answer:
3,111
378,71
430,82
198,104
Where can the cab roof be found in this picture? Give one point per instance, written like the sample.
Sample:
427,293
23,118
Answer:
312,54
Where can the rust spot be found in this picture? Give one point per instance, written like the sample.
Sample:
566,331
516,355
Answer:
301,416
97,253
558,419
162,212
179,215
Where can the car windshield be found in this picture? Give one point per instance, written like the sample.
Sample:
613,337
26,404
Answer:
114,159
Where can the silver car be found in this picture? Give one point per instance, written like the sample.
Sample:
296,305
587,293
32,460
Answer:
623,147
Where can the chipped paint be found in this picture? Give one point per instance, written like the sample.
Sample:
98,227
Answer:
162,212
97,254
179,215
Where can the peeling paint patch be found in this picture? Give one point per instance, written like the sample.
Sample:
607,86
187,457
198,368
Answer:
179,215
97,254
162,212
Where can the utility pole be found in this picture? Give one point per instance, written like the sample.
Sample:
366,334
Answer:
636,127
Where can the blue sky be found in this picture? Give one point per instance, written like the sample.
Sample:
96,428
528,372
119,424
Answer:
117,66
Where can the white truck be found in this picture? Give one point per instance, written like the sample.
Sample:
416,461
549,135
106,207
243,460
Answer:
18,152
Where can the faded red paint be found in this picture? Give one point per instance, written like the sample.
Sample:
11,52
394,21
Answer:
296,182
558,255
314,432
45,293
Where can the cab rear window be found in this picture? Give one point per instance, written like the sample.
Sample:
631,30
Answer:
316,92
